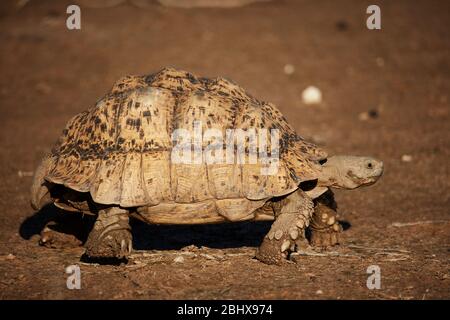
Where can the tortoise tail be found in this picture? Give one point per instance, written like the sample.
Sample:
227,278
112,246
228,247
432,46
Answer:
40,193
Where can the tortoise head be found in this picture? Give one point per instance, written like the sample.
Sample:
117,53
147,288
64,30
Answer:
350,172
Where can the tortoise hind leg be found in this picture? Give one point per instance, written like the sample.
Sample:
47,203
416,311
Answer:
110,236
66,230
288,227
53,237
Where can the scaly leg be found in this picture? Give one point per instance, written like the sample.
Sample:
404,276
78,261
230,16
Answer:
290,222
111,235
65,230
51,237
325,228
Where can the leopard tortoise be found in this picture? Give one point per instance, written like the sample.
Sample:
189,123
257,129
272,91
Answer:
116,160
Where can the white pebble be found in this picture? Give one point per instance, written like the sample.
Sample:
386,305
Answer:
289,69
22,174
363,116
178,259
319,292
406,158
311,95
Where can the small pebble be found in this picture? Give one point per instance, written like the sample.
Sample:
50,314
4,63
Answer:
178,259
406,158
311,95
289,69
43,88
371,114
379,61
10,257
319,292
22,174
363,116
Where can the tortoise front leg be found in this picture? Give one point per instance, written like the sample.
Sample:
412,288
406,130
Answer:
290,222
325,227
111,235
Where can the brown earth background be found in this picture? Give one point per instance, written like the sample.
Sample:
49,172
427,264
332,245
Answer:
400,74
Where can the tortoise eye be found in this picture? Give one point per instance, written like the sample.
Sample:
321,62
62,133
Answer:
369,165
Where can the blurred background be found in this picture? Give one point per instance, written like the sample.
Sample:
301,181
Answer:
383,93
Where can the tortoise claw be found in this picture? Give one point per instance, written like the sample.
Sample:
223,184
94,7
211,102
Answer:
111,236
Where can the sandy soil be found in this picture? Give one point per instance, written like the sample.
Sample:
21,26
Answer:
48,74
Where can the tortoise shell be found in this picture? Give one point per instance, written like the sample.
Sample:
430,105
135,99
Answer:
120,150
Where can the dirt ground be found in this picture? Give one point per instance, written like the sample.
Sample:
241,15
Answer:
400,75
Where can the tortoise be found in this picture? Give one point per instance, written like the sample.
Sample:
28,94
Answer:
116,161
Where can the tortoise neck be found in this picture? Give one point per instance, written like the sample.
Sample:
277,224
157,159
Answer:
330,175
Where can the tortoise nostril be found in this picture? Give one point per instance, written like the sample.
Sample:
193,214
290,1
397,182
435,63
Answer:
370,165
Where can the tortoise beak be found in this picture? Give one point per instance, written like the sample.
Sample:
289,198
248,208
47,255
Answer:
378,168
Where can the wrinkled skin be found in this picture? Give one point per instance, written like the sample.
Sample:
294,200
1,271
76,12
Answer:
350,172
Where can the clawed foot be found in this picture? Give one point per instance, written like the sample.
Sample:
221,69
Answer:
111,236
324,229
113,244
51,238
279,243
